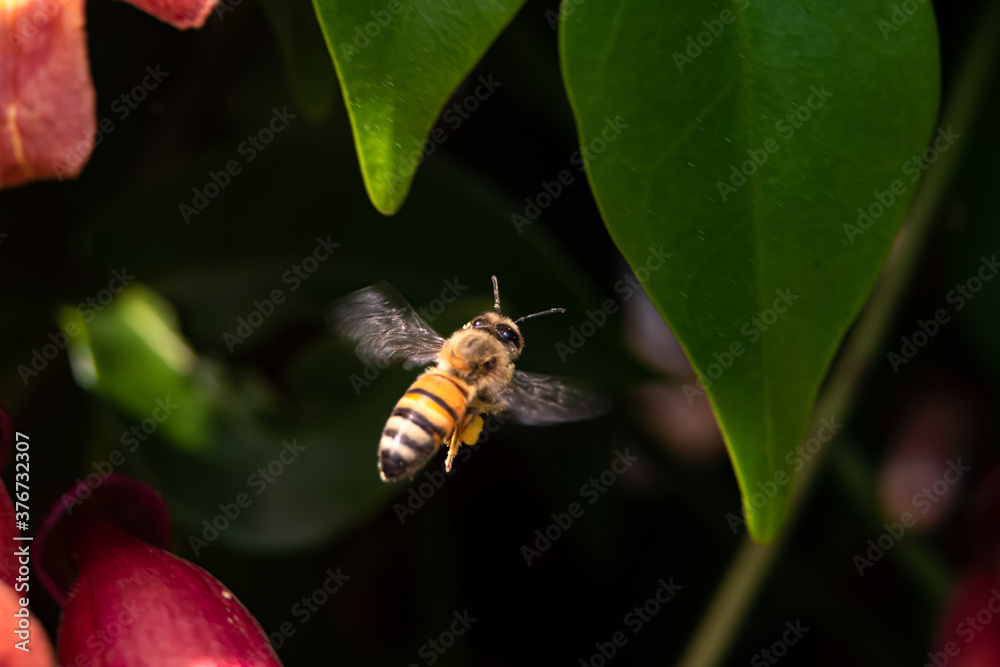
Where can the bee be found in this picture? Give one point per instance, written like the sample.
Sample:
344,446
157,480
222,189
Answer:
473,376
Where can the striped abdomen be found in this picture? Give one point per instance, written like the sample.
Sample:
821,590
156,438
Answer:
425,416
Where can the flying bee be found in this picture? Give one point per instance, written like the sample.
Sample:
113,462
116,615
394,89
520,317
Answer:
473,376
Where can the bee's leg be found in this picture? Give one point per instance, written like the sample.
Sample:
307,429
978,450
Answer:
470,435
467,434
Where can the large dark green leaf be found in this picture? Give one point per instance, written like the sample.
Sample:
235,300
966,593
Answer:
742,138
398,63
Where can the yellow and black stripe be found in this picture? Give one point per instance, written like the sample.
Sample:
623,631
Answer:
425,416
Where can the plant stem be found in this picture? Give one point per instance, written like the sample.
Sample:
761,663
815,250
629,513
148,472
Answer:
752,562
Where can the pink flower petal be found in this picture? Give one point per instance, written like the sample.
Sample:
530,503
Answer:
181,14
135,604
134,506
48,118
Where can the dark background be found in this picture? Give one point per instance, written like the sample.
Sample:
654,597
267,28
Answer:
461,550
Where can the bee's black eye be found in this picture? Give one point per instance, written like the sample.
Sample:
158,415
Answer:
508,335
479,323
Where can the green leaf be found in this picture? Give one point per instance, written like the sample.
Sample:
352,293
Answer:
205,437
742,138
398,63
130,353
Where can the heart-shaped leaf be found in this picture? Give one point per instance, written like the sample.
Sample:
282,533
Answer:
398,64
770,147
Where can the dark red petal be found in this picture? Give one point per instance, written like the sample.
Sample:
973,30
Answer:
135,604
181,14
133,506
47,115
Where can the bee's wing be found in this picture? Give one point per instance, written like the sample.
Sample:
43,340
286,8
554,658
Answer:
545,399
385,327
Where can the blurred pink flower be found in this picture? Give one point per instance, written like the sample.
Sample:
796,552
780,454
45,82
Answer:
48,119
928,463
969,632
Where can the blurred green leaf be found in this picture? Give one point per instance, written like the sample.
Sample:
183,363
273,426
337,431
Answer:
398,64
230,448
743,138
130,352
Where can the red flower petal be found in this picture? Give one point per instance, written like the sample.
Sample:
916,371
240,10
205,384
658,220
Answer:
129,601
48,119
133,506
182,14
135,604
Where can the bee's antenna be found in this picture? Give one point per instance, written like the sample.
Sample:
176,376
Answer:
544,312
496,296
496,304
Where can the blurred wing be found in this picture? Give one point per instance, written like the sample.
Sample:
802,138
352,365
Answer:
545,399
385,327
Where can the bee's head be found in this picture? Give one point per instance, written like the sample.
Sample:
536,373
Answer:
502,327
